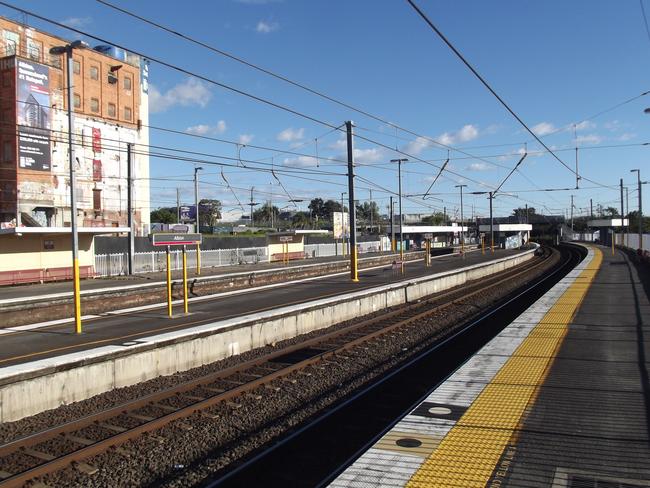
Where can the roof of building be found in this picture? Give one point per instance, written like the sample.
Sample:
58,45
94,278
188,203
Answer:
506,227
18,231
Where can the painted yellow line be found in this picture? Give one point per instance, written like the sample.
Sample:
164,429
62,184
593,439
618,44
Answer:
469,453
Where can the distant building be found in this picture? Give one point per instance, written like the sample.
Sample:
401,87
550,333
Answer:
110,99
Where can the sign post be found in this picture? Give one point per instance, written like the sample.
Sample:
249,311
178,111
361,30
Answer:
169,240
285,240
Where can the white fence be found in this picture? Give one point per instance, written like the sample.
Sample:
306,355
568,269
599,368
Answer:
147,262
632,241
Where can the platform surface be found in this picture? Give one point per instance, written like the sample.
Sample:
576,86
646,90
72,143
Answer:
560,398
19,345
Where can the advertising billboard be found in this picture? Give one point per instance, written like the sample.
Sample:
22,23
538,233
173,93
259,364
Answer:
33,115
340,223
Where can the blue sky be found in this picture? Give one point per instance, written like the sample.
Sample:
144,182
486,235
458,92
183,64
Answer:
555,62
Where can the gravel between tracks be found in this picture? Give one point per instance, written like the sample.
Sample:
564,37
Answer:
186,452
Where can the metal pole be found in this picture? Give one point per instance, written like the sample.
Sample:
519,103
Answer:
638,179
401,217
572,214
129,172
198,219
462,231
178,205
371,211
622,212
627,212
185,307
169,283
343,225
354,272
73,198
591,208
392,225
491,223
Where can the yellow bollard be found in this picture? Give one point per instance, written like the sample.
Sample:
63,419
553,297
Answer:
77,296
354,271
184,280
169,283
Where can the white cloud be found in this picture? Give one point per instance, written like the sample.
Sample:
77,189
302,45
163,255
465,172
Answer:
613,125
480,166
301,162
584,125
416,146
626,137
590,139
291,135
77,22
187,93
339,145
265,27
245,139
205,129
466,133
368,156
543,129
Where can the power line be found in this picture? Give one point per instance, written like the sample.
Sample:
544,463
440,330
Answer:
487,85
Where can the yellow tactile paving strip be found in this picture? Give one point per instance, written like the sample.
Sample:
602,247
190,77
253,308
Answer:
469,453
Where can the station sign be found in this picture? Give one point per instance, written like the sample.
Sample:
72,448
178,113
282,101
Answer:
163,239
286,238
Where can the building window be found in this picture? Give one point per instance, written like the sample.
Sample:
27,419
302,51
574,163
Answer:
127,83
76,67
94,73
111,110
127,113
77,100
97,199
12,41
7,151
34,49
94,105
55,60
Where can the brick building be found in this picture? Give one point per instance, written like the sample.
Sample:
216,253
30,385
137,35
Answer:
111,110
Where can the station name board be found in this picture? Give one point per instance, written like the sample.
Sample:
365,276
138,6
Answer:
161,239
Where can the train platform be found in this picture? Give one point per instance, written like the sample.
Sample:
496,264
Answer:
560,398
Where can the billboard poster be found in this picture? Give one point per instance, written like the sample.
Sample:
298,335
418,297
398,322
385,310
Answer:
340,221
33,114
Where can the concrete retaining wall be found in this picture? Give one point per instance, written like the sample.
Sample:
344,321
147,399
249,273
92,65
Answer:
31,388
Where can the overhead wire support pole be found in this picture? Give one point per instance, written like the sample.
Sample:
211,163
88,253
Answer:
491,197
462,230
442,168
511,172
401,214
129,172
622,213
354,273
638,179
392,224
198,217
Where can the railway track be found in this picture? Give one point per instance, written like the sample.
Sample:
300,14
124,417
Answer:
73,443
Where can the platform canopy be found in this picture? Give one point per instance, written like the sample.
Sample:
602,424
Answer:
18,231
430,229
607,223
506,227
299,232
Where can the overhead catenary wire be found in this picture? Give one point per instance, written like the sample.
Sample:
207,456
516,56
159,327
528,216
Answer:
490,89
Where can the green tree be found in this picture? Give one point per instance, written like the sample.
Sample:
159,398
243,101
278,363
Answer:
522,214
301,220
367,212
209,212
437,218
165,215
266,213
317,208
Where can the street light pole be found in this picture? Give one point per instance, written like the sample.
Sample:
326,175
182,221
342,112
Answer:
343,224
67,50
462,231
401,214
392,225
198,215
638,179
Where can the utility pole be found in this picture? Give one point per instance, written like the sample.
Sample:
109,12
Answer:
354,273
252,204
627,212
526,213
392,224
591,209
371,207
622,212
571,211
491,197
401,216
129,177
575,134
444,215
343,252
462,231
198,217
178,205
638,179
